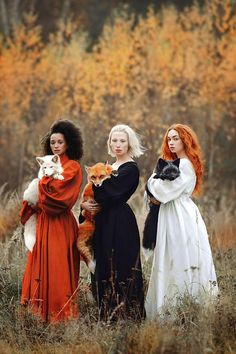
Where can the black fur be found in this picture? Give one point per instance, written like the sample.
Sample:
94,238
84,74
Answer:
165,170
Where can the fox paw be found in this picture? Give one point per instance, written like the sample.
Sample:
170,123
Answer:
92,266
60,177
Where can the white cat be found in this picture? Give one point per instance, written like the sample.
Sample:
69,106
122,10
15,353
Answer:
50,166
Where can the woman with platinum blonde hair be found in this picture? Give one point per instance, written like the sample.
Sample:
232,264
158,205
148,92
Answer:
117,283
135,148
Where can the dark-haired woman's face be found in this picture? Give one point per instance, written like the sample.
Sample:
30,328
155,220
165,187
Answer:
58,144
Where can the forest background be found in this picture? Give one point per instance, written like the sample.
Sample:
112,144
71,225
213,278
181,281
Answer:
144,63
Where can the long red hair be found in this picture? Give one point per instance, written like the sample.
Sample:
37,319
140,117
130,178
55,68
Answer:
192,149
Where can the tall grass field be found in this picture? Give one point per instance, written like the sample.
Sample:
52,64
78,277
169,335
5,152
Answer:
192,328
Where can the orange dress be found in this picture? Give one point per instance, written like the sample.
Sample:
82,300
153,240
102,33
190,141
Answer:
50,281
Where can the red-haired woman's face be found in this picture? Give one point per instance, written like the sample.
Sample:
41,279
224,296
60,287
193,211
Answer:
175,143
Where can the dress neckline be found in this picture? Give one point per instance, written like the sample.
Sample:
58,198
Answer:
125,164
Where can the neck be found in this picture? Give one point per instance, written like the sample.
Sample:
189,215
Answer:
182,155
123,159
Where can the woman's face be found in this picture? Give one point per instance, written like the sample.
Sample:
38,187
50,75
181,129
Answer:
175,143
58,144
119,144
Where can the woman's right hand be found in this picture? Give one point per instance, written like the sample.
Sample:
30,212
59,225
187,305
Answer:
91,205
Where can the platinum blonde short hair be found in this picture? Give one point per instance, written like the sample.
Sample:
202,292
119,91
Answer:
135,148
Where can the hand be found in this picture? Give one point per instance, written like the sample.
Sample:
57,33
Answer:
35,207
154,201
91,205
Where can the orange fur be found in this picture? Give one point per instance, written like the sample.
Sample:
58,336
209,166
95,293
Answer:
97,174
192,150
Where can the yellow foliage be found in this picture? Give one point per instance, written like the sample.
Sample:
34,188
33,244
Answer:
132,75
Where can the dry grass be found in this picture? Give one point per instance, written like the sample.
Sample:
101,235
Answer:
191,328
9,212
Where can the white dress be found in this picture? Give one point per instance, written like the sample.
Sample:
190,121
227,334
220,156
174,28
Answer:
182,262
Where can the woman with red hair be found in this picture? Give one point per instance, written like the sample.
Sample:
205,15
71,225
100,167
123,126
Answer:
182,263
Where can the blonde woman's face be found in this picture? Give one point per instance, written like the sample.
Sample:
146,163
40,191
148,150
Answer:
119,144
175,143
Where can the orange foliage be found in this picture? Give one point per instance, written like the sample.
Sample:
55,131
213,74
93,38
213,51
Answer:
165,67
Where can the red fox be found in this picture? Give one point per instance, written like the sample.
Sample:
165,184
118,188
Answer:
97,174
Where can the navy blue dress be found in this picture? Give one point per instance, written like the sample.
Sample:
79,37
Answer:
118,283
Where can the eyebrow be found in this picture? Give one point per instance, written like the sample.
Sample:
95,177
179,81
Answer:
174,136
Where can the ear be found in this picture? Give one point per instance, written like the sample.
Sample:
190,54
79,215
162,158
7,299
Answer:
176,162
87,168
108,168
55,158
161,163
39,160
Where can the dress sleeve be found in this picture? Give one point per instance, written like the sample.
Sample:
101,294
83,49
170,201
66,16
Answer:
26,212
57,196
165,191
118,188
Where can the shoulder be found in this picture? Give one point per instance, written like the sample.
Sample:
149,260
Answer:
186,166
129,167
72,166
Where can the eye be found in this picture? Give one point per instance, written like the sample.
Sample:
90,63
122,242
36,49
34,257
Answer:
102,176
92,177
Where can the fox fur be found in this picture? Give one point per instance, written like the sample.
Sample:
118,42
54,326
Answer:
96,174
50,166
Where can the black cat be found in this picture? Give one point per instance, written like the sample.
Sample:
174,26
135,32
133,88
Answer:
165,170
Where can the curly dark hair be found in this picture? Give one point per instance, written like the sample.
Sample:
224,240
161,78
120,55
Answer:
72,135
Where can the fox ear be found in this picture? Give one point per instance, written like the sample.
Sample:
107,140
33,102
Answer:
161,163
87,168
176,162
55,158
39,160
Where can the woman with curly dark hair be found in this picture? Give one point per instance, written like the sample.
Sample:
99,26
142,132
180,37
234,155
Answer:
51,277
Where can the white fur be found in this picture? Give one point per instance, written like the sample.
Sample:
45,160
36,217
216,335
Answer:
50,166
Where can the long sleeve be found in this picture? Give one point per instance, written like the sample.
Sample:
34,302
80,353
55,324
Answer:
165,191
26,212
57,196
120,188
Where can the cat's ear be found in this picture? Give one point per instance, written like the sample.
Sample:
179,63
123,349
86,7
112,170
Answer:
161,163
176,162
55,158
39,160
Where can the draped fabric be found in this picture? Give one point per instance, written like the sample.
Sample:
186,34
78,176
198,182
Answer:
182,262
50,281
117,283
